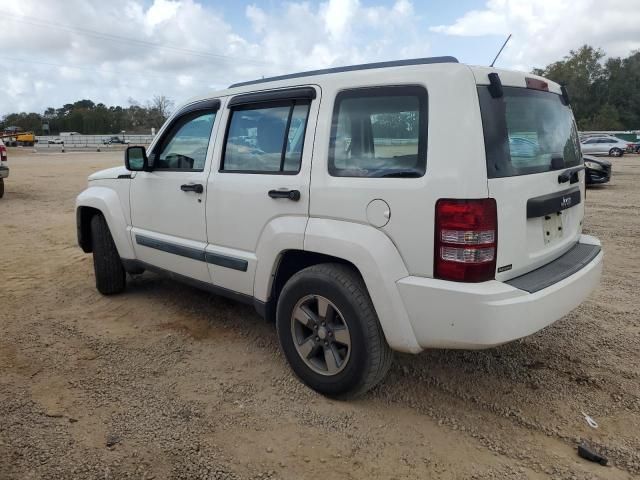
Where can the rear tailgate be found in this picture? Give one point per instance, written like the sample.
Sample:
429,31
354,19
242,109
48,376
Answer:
530,142
534,226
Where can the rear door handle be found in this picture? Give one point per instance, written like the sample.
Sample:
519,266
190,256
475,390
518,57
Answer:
192,187
290,194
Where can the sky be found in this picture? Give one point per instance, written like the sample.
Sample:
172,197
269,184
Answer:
116,51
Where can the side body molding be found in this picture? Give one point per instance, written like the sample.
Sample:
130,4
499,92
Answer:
107,201
381,266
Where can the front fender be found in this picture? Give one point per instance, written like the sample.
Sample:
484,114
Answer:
106,200
380,265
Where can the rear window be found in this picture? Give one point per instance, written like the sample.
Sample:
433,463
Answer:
527,131
379,132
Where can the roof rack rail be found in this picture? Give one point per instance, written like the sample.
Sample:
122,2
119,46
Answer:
352,68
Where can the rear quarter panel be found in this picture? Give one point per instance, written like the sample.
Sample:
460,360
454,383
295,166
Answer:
456,166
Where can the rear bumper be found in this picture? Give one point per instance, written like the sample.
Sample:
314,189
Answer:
472,316
4,172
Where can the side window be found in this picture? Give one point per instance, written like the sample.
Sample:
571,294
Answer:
379,132
266,138
184,147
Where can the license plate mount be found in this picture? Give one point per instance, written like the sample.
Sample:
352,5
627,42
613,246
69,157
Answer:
552,228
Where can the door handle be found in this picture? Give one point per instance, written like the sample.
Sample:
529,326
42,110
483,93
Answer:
290,194
192,187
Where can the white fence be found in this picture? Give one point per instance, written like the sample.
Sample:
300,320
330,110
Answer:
90,141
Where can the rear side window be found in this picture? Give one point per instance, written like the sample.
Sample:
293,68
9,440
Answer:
527,131
379,132
266,138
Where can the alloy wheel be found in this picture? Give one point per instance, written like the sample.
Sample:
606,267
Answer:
320,335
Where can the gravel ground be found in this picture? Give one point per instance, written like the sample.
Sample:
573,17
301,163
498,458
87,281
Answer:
165,381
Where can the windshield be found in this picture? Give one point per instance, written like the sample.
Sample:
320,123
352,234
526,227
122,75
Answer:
527,131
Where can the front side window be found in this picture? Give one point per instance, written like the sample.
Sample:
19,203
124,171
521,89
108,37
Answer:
527,131
379,132
185,145
266,138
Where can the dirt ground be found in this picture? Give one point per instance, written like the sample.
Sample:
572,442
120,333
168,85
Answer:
165,381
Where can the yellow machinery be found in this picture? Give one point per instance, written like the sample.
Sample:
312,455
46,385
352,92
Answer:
27,139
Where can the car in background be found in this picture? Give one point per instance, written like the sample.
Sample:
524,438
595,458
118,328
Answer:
597,170
114,140
634,147
56,141
605,145
4,168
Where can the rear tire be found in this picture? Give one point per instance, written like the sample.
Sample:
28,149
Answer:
615,152
110,274
1,187
347,351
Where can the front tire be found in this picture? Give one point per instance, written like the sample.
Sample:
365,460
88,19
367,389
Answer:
329,331
615,152
110,274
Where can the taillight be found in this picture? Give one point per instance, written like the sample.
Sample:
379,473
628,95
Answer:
466,240
3,153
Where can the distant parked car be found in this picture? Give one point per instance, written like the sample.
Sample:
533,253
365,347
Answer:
597,170
113,140
4,168
604,145
56,141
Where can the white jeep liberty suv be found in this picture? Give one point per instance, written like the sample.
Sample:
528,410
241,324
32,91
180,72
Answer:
390,206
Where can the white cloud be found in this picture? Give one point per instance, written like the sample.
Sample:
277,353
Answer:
545,31
161,11
338,16
257,17
112,51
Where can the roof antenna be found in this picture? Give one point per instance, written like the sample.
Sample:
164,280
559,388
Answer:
499,52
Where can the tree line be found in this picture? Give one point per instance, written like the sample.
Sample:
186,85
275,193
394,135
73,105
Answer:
89,118
605,95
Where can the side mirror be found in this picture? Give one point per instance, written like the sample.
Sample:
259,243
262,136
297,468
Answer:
135,159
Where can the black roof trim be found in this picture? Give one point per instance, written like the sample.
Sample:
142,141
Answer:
352,68
301,93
